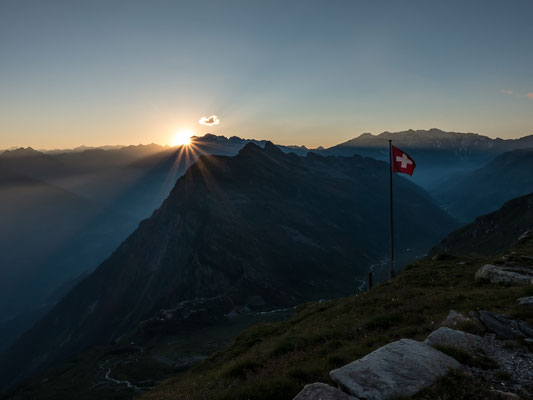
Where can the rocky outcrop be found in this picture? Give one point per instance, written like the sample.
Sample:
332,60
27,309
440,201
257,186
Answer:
404,367
505,327
321,391
507,275
399,368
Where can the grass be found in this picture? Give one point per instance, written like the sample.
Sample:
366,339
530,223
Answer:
479,360
458,385
274,361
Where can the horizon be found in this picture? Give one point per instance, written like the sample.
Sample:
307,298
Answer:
304,73
88,147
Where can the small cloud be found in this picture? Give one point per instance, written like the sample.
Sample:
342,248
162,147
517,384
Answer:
209,121
509,92
529,95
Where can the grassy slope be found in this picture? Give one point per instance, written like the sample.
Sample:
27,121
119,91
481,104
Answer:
274,361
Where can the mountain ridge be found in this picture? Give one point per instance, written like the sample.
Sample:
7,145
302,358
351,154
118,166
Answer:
264,228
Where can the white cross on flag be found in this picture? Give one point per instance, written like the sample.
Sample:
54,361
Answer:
402,162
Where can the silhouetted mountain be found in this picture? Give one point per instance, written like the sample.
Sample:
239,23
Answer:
492,233
438,154
260,230
468,195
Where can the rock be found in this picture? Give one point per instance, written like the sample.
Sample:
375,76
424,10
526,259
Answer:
454,318
504,275
399,368
526,301
505,395
505,327
525,235
321,391
447,337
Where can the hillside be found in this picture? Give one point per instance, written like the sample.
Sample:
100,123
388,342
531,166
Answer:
261,230
275,361
470,194
492,233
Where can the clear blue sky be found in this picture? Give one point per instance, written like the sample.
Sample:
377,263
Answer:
296,72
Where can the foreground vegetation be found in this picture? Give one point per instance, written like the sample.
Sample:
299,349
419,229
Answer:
274,361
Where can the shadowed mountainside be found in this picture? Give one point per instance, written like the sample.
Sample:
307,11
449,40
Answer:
492,233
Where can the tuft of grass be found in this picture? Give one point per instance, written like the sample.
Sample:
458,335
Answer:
457,385
479,360
503,375
241,369
384,321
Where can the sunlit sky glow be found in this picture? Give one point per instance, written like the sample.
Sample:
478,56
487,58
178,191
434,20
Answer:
295,72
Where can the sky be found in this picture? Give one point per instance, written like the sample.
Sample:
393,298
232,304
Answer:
295,72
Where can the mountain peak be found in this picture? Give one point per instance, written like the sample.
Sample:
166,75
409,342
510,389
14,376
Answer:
21,152
253,149
272,149
250,148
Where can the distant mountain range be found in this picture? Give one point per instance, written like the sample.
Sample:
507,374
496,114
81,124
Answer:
438,154
261,230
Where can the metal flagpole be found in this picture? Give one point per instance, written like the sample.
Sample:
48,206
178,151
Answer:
392,273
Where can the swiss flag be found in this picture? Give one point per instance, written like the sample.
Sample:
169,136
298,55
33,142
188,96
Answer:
402,162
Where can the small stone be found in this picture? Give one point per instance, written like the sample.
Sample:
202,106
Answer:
403,368
526,301
321,391
505,395
454,318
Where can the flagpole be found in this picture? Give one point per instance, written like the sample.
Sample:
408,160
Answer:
392,273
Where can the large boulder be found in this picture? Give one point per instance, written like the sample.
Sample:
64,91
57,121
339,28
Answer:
447,337
399,368
505,275
321,391
505,327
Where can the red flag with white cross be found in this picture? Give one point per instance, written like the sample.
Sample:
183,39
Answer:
402,162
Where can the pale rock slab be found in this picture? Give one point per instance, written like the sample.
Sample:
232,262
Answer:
321,391
400,368
504,275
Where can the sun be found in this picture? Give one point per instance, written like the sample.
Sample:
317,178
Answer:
182,138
